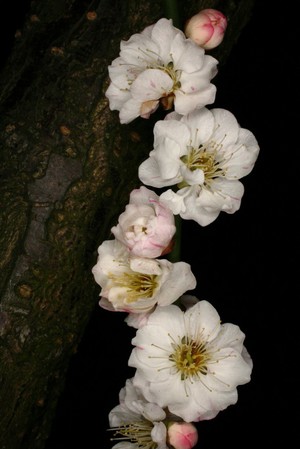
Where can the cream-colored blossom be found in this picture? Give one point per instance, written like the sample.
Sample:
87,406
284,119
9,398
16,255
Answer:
136,284
160,66
203,155
189,361
139,424
136,423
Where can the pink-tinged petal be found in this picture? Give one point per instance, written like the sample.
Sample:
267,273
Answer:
151,84
186,103
146,226
137,320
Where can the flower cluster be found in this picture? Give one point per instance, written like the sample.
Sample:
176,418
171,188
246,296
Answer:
187,364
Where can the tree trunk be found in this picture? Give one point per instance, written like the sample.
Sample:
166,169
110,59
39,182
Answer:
67,168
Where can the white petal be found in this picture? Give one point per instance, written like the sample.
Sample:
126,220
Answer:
241,157
163,34
159,435
129,111
177,134
153,412
226,126
181,279
144,265
174,201
188,102
203,321
138,51
231,336
116,97
151,84
201,125
148,173
192,177
188,56
230,371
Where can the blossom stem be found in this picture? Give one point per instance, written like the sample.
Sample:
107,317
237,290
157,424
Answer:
172,12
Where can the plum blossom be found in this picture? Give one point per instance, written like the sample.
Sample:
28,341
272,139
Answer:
160,66
142,424
202,154
137,422
135,284
206,28
189,361
146,226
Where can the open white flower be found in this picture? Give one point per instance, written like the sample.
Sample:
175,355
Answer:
136,284
160,66
203,154
189,362
136,422
146,226
139,424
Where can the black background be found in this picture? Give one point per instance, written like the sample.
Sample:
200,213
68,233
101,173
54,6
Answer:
244,263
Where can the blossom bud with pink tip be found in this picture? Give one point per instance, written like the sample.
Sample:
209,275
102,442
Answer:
182,435
206,28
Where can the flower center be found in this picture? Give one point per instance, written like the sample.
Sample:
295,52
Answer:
137,230
190,358
137,432
167,100
173,74
201,158
137,285
204,158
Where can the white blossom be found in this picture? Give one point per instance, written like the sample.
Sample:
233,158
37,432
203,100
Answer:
189,361
136,284
160,66
136,422
203,154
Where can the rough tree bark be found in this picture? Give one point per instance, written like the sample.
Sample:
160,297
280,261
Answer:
67,168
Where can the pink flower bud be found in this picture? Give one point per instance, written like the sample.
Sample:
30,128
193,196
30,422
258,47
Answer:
182,435
206,28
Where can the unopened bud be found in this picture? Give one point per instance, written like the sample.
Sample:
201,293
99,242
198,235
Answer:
182,435
206,28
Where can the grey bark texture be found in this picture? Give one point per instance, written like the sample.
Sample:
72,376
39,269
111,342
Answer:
67,167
